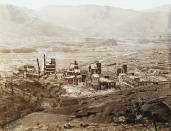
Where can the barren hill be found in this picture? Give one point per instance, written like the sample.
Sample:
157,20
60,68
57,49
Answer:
16,26
163,8
105,20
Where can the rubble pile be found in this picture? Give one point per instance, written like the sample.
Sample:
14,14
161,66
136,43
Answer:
134,106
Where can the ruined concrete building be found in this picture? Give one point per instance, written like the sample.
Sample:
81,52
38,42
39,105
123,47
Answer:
119,70
98,81
129,80
29,70
73,69
101,83
122,69
49,68
26,71
74,75
141,80
95,68
106,83
95,80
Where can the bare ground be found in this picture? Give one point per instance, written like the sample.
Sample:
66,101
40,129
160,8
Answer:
130,109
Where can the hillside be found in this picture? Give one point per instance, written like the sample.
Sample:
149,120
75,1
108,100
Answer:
17,27
163,8
24,27
105,20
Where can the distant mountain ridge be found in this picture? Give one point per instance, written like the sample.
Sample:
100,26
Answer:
163,8
16,26
105,20
24,26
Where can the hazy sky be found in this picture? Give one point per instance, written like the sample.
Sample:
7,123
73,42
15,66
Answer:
129,4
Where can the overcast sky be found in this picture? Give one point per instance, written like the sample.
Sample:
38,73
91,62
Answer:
129,4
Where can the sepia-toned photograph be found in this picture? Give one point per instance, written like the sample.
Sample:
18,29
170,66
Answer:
85,65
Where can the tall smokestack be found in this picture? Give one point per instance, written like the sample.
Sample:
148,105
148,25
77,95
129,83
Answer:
38,66
44,63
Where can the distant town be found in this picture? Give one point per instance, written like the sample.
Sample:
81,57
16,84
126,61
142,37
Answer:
94,76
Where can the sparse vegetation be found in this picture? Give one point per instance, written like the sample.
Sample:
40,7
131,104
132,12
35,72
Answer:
21,97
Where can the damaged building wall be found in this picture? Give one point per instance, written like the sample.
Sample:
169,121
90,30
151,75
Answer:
95,68
74,75
49,68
